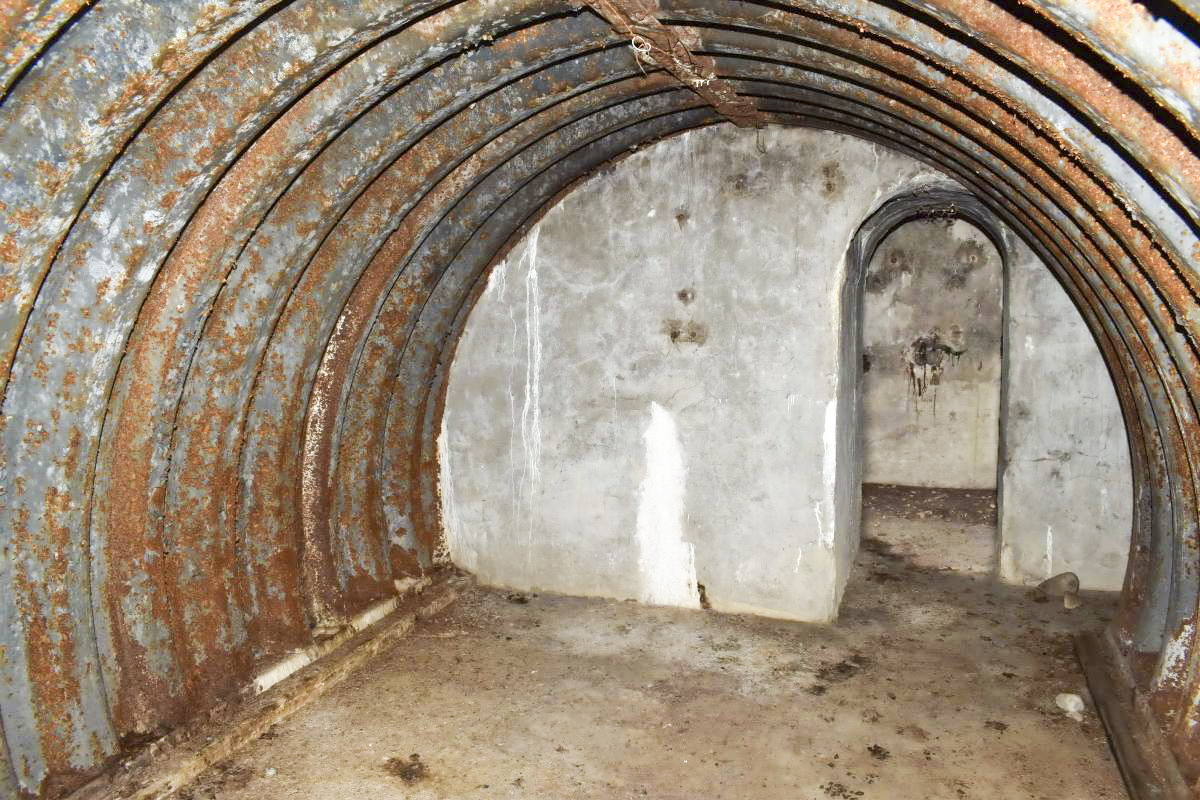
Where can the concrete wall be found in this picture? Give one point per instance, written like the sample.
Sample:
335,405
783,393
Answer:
646,394
931,417
653,391
1066,494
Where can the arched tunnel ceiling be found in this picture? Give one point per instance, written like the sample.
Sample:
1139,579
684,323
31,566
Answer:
240,240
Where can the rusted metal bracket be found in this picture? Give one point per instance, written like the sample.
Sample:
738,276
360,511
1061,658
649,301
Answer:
665,47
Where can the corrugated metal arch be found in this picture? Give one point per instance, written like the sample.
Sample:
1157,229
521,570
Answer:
240,239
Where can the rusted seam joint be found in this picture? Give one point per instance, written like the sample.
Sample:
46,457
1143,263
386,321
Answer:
663,46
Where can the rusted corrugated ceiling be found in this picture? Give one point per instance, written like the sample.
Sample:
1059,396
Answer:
240,238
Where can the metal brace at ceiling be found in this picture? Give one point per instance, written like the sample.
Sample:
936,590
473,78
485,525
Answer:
664,46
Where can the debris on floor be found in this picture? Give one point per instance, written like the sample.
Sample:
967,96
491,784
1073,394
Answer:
932,684
1061,584
1064,585
409,770
838,790
972,506
1072,704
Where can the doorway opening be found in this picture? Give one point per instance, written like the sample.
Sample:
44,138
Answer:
932,364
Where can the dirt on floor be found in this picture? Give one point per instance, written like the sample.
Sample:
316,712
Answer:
934,683
973,506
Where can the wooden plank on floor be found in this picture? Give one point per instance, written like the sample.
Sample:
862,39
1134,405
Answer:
1143,756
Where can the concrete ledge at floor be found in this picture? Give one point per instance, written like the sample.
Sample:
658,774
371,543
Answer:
160,769
1143,756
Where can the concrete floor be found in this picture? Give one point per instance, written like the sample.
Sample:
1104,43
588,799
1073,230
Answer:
935,683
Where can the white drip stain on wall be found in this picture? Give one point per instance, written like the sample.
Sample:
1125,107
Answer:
531,409
1049,551
828,473
460,547
498,284
667,563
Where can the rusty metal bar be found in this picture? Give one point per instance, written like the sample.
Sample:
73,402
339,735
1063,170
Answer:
1143,756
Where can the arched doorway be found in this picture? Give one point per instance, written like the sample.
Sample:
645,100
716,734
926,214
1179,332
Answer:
932,327
1030,414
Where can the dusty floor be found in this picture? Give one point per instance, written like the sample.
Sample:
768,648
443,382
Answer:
935,683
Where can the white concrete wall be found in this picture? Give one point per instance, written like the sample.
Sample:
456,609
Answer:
943,277
1066,495
646,394
650,394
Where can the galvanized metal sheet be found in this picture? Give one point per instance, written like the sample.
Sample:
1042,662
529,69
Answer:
240,240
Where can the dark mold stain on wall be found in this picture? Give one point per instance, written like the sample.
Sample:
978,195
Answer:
685,332
967,258
893,264
832,179
689,331
933,293
926,357
744,183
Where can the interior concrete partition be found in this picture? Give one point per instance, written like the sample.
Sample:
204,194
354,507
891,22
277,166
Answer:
240,241
672,402
661,402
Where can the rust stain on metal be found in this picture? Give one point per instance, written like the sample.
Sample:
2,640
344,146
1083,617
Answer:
341,453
